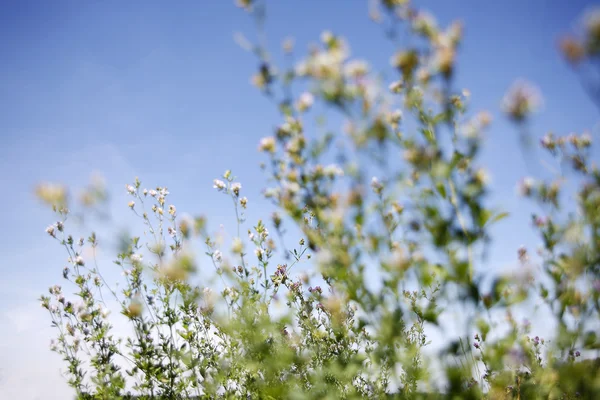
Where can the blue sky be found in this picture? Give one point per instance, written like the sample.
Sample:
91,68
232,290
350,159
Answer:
161,91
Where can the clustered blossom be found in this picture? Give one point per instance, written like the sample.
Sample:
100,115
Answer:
267,145
219,185
521,100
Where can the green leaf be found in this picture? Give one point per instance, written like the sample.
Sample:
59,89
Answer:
499,217
441,189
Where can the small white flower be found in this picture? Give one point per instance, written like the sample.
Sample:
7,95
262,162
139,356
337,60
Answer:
259,253
219,184
153,193
50,230
136,258
130,189
333,170
237,246
251,236
236,187
79,260
376,185
218,256
267,144
305,101
396,87
104,312
145,192
525,186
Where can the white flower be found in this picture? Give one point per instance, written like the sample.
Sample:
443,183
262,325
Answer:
79,260
305,101
104,311
333,170
130,189
136,258
153,193
50,230
356,68
237,245
145,192
264,234
376,185
396,87
219,184
267,144
251,236
259,252
236,187
525,186
395,116
218,256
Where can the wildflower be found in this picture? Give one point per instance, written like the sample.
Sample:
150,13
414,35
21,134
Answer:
333,170
572,50
52,194
482,177
376,185
259,253
235,188
523,254
237,246
145,192
153,193
245,4
592,25
219,184
267,144
131,204
130,189
525,187
135,309
521,100
394,118
172,210
218,256
548,141
396,87
305,101
50,231
172,232
244,202
79,260
356,69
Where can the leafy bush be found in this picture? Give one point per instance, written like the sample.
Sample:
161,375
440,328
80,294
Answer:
390,215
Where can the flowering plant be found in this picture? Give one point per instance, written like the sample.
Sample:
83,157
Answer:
389,245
